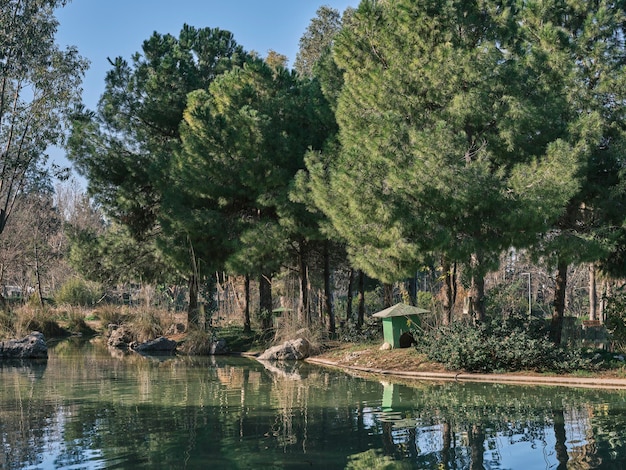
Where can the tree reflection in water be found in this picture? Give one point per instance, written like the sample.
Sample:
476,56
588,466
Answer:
86,408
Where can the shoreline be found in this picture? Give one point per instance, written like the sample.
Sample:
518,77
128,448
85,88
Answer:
510,379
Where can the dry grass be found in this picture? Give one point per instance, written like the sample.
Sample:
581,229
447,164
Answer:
370,356
289,327
197,342
20,321
73,319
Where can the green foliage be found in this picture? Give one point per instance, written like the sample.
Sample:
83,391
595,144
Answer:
442,124
507,299
317,40
371,331
425,299
513,344
616,318
40,85
114,256
77,292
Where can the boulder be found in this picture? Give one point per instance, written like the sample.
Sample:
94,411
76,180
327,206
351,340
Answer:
120,336
293,350
32,346
159,345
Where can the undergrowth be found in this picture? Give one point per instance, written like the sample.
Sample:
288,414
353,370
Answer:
512,344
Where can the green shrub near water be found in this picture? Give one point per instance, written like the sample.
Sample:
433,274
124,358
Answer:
78,293
511,344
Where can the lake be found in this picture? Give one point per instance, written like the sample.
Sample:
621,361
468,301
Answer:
87,407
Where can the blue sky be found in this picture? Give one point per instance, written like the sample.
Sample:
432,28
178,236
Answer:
112,28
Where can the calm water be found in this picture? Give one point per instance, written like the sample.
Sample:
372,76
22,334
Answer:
87,408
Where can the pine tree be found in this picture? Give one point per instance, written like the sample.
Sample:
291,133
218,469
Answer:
449,136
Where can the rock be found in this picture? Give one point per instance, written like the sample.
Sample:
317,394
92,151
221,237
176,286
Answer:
218,347
294,350
158,345
32,346
120,336
385,347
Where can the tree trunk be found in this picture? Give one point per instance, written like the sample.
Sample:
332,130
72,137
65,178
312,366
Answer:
476,437
477,291
449,291
604,299
328,304
349,296
361,309
560,447
192,310
303,275
593,294
477,299
387,295
38,275
556,326
447,452
412,288
247,326
265,301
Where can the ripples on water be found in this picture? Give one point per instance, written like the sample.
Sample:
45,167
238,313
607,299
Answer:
87,408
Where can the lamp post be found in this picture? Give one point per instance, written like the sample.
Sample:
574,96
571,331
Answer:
529,299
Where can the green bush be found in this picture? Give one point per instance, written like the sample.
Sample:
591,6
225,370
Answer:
616,318
513,344
77,292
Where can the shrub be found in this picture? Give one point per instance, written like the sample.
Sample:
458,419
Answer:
502,345
371,331
77,292
616,319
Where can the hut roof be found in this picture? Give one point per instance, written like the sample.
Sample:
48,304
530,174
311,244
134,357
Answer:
400,310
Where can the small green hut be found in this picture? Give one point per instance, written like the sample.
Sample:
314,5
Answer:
397,323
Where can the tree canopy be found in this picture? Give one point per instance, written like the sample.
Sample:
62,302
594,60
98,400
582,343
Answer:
39,85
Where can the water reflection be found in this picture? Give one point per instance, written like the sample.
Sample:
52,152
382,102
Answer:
85,408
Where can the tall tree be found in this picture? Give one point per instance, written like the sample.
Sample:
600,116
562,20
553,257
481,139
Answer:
584,43
317,40
39,83
314,62
125,148
244,139
443,123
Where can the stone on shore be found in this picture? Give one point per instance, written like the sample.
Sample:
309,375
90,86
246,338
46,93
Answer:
120,336
159,345
32,346
293,350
